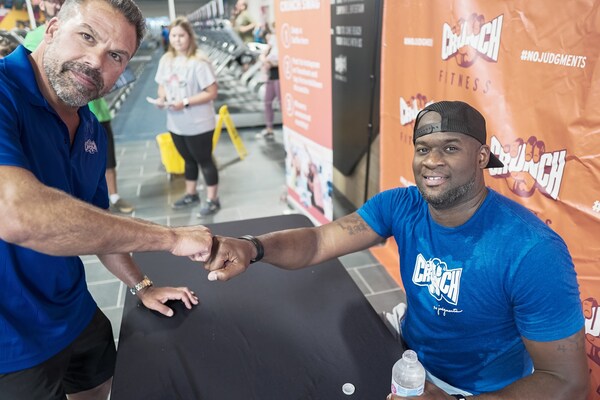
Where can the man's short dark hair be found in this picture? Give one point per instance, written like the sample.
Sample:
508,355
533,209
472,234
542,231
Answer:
128,8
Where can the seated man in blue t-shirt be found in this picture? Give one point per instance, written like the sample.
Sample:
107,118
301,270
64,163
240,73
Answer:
54,340
493,301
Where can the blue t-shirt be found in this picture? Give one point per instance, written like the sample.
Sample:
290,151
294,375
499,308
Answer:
44,301
474,290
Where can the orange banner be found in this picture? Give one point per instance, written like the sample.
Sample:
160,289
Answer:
531,68
303,29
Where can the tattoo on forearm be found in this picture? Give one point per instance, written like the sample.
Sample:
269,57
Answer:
354,225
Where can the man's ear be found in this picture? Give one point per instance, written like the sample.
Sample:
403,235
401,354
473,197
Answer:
51,28
484,156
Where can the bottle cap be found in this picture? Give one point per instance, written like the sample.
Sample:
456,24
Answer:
348,388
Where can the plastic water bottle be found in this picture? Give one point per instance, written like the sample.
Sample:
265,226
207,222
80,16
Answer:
408,375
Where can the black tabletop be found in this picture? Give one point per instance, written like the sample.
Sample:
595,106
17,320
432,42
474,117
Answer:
267,334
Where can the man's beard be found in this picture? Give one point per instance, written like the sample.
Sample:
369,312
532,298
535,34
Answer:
448,198
69,91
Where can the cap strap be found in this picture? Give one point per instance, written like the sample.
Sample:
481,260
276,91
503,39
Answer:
427,129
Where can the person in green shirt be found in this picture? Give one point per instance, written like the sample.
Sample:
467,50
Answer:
98,107
243,24
242,21
49,9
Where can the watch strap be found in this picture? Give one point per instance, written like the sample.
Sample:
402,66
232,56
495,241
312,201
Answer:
143,284
260,250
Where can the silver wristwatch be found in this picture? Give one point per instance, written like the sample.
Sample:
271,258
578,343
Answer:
144,283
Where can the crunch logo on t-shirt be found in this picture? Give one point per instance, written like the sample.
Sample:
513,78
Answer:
442,282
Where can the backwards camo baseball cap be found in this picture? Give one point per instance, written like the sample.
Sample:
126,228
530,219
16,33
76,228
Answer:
457,116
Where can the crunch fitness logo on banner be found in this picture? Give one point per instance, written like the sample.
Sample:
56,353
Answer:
471,38
409,108
529,166
591,313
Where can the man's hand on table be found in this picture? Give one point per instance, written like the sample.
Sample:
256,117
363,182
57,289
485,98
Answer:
229,257
154,298
194,242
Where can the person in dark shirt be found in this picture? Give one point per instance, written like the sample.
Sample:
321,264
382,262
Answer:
54,340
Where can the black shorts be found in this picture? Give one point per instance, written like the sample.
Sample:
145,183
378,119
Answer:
111,158
86,363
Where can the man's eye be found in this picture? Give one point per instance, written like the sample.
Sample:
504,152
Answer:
116,56
87,37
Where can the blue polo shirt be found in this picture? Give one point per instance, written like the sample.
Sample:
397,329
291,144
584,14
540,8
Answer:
44,301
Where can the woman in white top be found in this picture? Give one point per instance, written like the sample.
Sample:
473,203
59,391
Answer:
186,89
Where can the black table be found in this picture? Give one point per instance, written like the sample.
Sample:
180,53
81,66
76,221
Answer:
267,334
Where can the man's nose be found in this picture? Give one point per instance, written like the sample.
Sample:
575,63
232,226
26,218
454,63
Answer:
434,158
94,58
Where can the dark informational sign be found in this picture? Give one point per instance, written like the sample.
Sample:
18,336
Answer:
355,44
